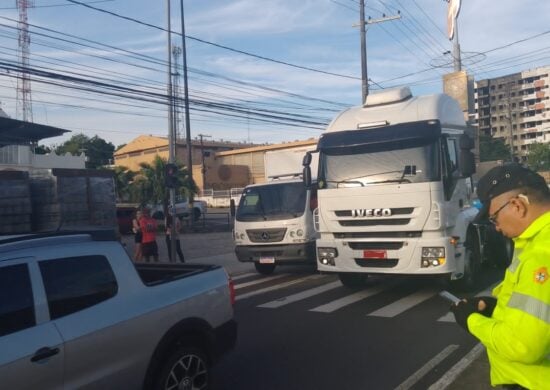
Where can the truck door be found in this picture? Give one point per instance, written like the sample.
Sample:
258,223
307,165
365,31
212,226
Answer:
31,349
455,190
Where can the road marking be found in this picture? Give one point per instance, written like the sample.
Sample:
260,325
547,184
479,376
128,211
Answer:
404,304
277,286
349,299
258,281
301,295
430,365
242,276
458,368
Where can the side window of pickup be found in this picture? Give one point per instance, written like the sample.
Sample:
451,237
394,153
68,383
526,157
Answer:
16,301
76,283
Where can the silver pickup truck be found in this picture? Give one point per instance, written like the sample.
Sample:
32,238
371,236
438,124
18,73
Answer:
76,313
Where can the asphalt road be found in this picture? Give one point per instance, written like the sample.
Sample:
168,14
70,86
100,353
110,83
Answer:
302,330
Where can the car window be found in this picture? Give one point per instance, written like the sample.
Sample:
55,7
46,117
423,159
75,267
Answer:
16,301
76,283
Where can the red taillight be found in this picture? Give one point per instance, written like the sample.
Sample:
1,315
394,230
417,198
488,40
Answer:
231,291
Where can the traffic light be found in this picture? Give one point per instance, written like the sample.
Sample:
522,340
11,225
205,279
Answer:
171,176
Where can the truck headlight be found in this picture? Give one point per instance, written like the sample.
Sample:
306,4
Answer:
326,256
433,256
296,233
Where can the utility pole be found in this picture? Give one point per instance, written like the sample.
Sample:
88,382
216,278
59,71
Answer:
363,33
186,100
171,137
203,167
509,117
176,52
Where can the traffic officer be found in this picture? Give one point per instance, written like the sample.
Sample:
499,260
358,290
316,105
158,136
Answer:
514,325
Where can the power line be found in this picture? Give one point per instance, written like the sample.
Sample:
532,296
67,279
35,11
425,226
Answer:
212,43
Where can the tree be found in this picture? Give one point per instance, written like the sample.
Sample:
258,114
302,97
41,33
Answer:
123,179
539,157
98,151
151,186
491,149
42,149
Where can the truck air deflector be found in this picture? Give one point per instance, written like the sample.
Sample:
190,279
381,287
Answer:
399,136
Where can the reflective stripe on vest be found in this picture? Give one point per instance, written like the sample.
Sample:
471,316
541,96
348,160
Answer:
530,305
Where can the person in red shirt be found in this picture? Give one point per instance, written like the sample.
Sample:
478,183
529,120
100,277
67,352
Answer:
148,227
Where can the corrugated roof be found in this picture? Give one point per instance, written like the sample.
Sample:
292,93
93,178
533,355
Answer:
265,148
16,132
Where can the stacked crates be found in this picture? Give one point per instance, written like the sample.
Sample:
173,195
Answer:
45,200
15,202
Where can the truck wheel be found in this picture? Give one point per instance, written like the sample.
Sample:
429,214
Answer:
264,269
196,214
472,264
187,368
353,280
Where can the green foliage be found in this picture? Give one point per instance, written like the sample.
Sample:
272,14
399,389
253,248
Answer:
123,179
98,151
42,149
491,149
539,157
149,185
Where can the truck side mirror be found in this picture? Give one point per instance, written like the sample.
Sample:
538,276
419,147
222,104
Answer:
232,207
306,161
467,163
306,176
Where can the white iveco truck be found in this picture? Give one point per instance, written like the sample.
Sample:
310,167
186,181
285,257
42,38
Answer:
394,190
274,220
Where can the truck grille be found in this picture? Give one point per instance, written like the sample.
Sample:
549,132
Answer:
393,246
377,263
266,235
375,222
394,211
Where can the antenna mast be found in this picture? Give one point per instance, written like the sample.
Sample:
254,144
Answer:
24,100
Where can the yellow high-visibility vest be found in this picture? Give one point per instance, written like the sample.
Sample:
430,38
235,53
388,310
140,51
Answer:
517,336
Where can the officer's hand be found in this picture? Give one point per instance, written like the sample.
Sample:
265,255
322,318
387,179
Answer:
484,305
462,310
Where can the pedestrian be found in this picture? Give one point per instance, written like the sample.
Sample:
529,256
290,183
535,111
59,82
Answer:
514,324
168,223
148,227
137,236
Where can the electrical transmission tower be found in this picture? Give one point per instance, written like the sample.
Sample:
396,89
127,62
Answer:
24,100
176,53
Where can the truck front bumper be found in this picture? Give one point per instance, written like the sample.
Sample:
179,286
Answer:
288,253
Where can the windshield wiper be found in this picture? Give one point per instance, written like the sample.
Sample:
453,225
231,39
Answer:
338,182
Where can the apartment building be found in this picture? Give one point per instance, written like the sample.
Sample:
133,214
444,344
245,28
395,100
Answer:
516,108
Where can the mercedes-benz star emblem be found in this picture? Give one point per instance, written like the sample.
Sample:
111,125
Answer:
265,236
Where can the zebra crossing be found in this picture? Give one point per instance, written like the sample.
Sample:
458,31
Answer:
323,293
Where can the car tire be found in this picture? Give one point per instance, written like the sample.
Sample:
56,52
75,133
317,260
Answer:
353,280
264,269
185,368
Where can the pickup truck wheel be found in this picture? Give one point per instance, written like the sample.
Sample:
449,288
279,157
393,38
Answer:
186,369
353,280
264,269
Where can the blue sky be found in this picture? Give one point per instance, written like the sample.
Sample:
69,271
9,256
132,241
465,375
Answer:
243,98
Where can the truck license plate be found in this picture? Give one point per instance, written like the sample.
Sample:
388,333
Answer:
375,254
267,260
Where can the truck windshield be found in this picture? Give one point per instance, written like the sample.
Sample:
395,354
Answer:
357,166
272,202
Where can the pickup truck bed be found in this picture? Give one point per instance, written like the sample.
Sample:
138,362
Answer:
76,313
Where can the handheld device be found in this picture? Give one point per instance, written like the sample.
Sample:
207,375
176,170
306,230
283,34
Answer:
450,297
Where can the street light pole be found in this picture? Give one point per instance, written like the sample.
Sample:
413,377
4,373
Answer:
187,119
171,137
